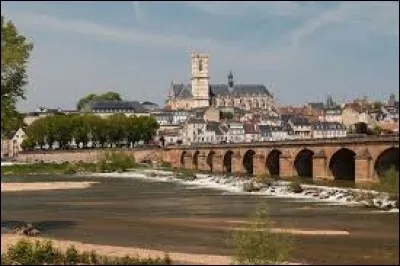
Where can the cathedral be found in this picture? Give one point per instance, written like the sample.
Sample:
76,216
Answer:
200,93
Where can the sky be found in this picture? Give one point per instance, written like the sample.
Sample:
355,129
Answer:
302,51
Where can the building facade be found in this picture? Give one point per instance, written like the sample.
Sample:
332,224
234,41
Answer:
200,93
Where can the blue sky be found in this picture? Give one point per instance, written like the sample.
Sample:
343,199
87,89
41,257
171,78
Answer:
302,50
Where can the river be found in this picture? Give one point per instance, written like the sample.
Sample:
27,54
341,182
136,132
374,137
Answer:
177,218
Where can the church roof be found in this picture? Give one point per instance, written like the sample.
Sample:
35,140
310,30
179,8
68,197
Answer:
185,90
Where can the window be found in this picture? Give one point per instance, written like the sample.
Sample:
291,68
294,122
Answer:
200,65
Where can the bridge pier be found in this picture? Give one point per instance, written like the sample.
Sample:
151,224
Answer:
237,164
202,162
364,168
188,162
259,165
320,164
217,163
286,165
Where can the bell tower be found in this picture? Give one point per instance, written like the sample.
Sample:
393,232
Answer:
200,80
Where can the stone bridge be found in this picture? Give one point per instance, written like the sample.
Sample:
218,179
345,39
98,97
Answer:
359,159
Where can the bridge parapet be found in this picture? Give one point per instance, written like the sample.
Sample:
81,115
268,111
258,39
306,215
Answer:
319,159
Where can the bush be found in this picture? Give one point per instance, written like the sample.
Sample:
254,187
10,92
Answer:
295,186
389,182
165,165
70,170
264,179
186,175
41,253
257,244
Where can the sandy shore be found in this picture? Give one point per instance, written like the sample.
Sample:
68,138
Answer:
181,258
11,187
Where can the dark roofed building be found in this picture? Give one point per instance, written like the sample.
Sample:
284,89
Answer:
114,107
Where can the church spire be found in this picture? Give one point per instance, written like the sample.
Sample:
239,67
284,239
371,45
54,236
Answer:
230,79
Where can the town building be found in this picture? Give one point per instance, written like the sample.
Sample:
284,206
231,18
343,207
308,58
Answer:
11,146
201,93
276,132
107,108
322,130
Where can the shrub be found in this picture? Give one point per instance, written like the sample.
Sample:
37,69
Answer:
165,165
70,170
257,244
185,175
295,186
41,253
389,182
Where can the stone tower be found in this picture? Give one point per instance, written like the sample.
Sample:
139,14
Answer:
200,80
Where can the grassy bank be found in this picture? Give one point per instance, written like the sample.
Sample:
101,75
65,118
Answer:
110,162
25,252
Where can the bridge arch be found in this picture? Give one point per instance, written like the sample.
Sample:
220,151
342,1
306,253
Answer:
303,163
196,160
210,156
182,159
389,158
272,162
342,164
248,159
228,161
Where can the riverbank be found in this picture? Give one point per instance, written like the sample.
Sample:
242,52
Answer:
37,186
175,218
177,258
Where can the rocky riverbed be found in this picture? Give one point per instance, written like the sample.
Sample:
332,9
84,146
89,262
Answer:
279,188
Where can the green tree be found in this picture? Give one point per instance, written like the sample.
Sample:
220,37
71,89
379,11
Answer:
99,130
28,144
132,130
258,244
15,52
116,130
377,105
36,131
148,127
108,96
63,130
80,129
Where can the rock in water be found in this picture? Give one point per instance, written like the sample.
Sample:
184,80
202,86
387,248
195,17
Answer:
27,230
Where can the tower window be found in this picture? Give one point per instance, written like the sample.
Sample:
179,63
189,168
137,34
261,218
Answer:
200,65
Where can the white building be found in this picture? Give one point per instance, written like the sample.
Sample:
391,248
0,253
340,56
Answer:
322,130
11,146
235,132
301,127
276,133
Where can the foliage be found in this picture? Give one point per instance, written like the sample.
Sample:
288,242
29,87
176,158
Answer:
376,130
115,161
70,170
47,168
108,96
15,52
295,185
389,182
257,244
186,174
116,130
28,144
25,252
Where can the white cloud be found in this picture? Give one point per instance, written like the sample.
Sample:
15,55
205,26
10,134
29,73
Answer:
278,8
123,35
381,17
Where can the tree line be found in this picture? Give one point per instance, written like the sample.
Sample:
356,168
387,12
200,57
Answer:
63,131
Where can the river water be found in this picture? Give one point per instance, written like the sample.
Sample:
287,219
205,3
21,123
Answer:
175,218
